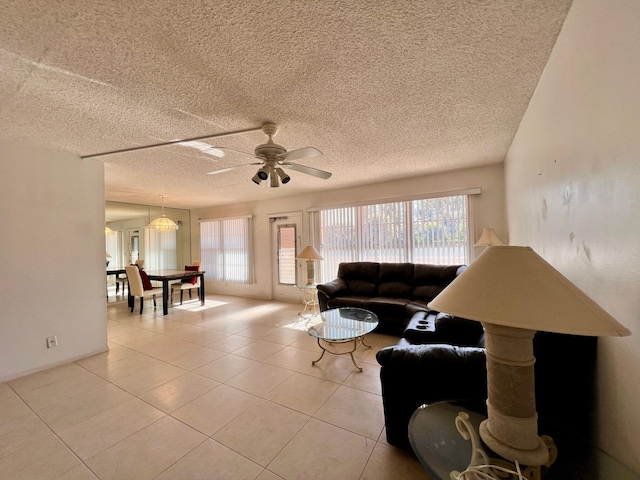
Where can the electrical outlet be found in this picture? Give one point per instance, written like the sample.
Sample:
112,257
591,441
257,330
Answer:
52,342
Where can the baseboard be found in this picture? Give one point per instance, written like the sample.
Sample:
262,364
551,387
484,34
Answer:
41,368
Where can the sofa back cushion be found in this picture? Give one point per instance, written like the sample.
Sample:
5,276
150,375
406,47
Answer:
395,280
361,277
430,280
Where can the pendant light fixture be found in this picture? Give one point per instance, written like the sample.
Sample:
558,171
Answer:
162,223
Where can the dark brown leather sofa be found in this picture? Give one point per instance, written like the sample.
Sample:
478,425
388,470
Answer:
395,292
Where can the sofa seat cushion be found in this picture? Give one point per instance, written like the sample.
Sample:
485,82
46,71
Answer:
390,312
347,301
386,306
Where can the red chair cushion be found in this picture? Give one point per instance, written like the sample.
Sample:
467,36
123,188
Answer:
146,283
191,268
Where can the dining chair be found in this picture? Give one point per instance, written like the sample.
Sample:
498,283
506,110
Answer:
188,284
136,288
123,280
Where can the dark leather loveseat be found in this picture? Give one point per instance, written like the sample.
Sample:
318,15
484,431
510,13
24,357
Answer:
441,357
395,292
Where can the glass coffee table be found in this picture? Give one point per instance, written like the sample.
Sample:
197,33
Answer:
341,331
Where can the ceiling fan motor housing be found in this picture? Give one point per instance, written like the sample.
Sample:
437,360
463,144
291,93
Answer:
269,150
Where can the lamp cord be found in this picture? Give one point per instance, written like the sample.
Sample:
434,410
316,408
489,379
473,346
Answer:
476,473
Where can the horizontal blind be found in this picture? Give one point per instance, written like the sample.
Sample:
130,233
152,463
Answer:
287,254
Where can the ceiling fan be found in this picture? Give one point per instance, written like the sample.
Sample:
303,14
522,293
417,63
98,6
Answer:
272,159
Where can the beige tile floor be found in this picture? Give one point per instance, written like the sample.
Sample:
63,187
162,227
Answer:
221,391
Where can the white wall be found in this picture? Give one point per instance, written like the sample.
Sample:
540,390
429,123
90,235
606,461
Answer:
487,209
52,275
573,191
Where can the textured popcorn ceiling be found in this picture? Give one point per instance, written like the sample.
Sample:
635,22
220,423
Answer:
385,89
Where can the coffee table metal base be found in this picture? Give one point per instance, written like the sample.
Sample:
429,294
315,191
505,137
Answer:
356,344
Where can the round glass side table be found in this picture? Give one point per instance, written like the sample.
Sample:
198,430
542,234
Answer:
436,436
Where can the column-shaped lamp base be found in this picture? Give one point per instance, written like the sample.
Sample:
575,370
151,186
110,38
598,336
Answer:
511,428
311,273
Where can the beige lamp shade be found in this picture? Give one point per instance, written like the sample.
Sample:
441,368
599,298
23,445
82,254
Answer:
488,237
515,287
163,224
108,231
310,253
108,255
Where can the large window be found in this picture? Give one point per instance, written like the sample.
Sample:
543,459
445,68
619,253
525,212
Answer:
429,230
225,249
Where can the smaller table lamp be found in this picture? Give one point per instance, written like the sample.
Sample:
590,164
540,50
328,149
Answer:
514,292
310,254
488,238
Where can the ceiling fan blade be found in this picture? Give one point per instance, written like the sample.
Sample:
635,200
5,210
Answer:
223,170
308,170
225,151
300,153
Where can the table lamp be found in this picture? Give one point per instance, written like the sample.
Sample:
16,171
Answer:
488,238
514,292
310,254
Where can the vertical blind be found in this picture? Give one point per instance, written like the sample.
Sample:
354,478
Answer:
225,249
430,230
160,250
113,248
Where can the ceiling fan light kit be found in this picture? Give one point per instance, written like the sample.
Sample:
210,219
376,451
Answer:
284,178
256,179
263,173
273,157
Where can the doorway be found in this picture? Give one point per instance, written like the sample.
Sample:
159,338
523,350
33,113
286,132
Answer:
286,235
132,250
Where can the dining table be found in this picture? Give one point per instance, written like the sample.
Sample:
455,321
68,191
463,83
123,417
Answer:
165,276
117,272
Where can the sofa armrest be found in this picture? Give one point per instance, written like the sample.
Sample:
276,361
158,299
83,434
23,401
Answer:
329,290
412,375
435,327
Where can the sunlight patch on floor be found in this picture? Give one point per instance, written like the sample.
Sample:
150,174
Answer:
197,307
